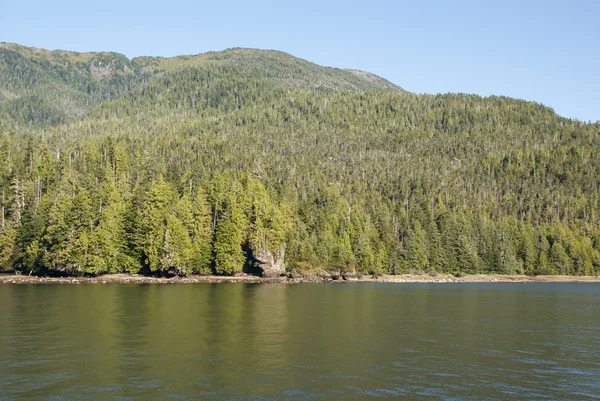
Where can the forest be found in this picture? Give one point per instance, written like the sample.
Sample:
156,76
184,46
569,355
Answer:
221,162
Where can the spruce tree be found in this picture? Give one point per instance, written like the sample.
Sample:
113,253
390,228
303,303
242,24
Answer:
416,253
559,260
229,237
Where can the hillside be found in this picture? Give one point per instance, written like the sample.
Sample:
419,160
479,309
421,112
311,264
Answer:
50,87
258,161
42,87
279,67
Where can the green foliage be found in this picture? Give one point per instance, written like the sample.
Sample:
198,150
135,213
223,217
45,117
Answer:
559,259
201,165
229,237
156,224
416,254
40,87
7,247
59,237
200,233
527,251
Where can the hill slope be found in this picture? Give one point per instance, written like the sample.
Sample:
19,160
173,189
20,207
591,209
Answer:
49,87
200,165
280,67
42,87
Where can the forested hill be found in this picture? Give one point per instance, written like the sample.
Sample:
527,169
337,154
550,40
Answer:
249,160
50,87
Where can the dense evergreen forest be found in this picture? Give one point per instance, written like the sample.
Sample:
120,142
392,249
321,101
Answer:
230,161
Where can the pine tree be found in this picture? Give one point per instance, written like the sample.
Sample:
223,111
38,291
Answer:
560,261
437,258
109,239
506,261
176,251
581,258
7,246
381,260
153,225
415,249
59,235
229,237
527,251
543,252
201,234
343,257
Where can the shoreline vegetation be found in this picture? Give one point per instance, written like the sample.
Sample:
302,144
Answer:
257,162
294,279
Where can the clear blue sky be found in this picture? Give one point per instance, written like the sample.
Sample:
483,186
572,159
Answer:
547,51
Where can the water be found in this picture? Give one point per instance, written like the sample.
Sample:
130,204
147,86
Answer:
300,342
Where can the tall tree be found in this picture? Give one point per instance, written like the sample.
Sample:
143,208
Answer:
416,253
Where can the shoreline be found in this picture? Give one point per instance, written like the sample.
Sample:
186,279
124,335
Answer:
296,279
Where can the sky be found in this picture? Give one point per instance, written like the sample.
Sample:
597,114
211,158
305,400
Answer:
544,51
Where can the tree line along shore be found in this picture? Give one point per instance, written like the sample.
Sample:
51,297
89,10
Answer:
238,163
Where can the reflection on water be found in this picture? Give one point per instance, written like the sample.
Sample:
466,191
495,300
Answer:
300,342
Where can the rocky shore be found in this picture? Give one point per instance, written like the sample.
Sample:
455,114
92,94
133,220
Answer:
293,279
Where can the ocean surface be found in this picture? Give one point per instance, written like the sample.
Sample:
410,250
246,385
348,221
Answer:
475,341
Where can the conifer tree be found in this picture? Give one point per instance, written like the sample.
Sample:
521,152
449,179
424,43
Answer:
153,223
527,251
108,239
560,261
415,249
201,234
59,236
229,237
7,246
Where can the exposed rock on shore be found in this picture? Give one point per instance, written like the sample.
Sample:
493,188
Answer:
271,263
311,277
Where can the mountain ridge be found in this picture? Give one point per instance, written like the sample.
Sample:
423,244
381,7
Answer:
32,79
166,62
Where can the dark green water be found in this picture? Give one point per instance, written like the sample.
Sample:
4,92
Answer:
300,342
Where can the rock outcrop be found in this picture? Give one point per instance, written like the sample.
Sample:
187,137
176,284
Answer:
271,263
